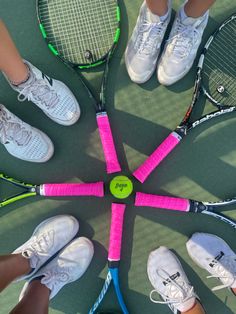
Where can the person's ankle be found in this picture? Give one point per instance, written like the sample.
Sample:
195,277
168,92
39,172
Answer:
36,285
22,263
23,79
195,309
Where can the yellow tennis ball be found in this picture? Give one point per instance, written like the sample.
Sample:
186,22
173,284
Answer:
121,187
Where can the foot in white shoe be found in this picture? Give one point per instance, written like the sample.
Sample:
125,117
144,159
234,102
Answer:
22,140
181,48
144,45
50,95
47,239
170,281
214,255
69,265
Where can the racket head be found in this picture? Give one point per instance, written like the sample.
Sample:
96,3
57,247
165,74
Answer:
217,64
81,33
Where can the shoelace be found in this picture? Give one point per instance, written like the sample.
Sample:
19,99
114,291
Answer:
177,290
39,246
182,42
146,44
39,92
12,131
225,272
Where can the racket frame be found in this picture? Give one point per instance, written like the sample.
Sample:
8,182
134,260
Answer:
51,189
99,105
103,123
185,205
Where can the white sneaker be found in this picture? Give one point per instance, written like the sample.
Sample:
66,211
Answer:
22,140
181,48
69,265
52,96
213,254
144,45
170,281
47,239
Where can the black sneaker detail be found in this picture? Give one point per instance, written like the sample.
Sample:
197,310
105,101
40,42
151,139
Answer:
171,278
49,79
217,258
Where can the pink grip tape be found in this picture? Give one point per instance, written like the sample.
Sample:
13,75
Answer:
156,157
166,202
117,215
108,144
72,189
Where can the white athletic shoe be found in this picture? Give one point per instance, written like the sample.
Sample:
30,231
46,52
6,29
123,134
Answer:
52,96
22,140
181,48
213,254
170,281
144,45
69,265
47,239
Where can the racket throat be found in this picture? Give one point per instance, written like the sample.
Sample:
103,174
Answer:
181,130
113,264
197,207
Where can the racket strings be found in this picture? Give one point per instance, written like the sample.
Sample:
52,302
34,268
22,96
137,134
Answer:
75,27
219,75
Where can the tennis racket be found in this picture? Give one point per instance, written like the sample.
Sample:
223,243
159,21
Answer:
185,205
84,34
50,189
215,79
117,217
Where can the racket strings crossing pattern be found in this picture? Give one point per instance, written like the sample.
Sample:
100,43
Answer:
219,70
81,31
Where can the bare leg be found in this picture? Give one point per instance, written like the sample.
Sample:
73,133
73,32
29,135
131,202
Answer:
158,7
196,309
11,62
11,267
35,300
196,8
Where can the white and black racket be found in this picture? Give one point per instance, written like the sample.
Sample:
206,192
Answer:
186,205
216,80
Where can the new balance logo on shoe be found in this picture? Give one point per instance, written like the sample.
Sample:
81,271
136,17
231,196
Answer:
217,258
49,79
171,278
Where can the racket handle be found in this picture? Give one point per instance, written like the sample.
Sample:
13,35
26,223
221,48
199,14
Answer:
158,201
157,156
117,218
108,143
72,189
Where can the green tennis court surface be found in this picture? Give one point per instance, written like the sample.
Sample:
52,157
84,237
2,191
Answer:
202,167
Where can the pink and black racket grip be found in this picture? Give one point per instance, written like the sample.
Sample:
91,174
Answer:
158,201
108,143
157,156
72,189
117,218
